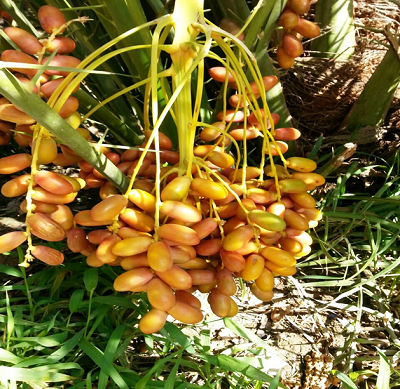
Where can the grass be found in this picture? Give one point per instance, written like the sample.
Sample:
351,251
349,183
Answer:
66,326
356,262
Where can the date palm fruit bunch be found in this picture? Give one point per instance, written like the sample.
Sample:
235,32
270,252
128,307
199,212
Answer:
47,193
29,50
195,218
295,27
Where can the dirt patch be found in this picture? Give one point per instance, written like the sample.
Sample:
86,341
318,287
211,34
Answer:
310,336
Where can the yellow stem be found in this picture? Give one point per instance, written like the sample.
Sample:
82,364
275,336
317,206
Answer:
165,73
196,112
167,97
65,89
153,68
209,171
30,207
220,225
256,74
225,133
149,86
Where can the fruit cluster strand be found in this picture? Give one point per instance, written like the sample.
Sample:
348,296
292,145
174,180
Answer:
193,219
295,27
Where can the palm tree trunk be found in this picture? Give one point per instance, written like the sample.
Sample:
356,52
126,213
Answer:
337,40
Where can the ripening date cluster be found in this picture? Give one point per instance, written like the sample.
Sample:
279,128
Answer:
49,217
211,233
33,51
172,234
295,27
211,230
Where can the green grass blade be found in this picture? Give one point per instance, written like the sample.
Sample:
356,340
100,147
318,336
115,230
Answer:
58,281
185,385
60,366
89,381
49,341
98,357
383,380
178,336
52,322
91,279
347,382
346,217
233,365
205,340
10,321
275,382
39,326
115,300
66,348
170,382
100,313
34,375
142,383
10,271
109,353
9,357
385,200
328,284
76,300
29,362
245,333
